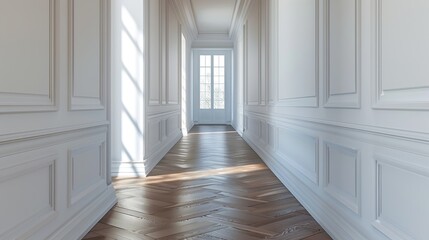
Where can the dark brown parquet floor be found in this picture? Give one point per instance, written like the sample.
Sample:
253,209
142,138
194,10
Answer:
210,186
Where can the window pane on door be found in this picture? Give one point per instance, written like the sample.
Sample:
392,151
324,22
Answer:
205,82
219,81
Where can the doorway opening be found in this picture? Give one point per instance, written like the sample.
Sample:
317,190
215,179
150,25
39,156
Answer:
212,86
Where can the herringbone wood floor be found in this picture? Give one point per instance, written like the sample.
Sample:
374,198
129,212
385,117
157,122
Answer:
211,185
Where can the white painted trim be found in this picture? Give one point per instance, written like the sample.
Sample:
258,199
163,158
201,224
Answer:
333,223
33,135
358,128
240,14
228,53
142,169
79,225
184,11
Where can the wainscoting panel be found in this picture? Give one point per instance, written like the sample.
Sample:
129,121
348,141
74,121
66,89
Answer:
54,181
155,134
164,132
20,183
380,193
27,63
401,203
359,162
342,175
252,127
86,169
172,126
300,151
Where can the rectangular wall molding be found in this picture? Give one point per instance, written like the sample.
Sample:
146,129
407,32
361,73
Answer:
86,170
299,78
401,206
18,184
342,175
395,86
88,56
173,47
344,125
19,93
154,71
163,70
342,52
300,151
252,48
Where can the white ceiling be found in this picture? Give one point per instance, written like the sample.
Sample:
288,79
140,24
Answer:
213,16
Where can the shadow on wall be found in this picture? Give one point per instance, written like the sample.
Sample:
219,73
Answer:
127,88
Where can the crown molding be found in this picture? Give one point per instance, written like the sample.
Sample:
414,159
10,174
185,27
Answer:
186,16
240,13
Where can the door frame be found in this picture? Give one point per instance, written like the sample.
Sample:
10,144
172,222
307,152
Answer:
228,52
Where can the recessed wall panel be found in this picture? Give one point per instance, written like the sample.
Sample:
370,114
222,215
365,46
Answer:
252,55
298,52
27,55
33,180
87,54
172,125
18,52
154,52
300,151
402,55
154,133
404,43
87,170
402,199
342,175
343,53
173,40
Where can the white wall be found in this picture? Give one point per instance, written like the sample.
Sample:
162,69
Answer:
186,94
146,73
238,84
54,178
343,122
127,92
163,121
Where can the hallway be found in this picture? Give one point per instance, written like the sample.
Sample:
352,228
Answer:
211,185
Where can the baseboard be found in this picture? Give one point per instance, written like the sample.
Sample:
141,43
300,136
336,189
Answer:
237,130
128,169
334,224
190,126
78,226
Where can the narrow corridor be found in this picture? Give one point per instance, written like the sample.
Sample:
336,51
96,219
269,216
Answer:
211,185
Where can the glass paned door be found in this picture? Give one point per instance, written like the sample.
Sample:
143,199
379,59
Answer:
212,82
212,72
